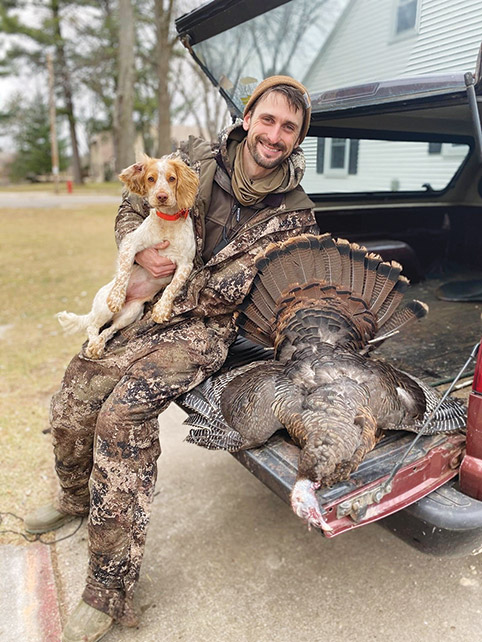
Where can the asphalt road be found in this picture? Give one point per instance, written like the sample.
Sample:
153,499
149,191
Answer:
48,199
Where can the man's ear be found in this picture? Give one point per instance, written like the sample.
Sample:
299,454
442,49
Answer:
247,121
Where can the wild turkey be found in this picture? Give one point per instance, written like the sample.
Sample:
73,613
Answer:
323,305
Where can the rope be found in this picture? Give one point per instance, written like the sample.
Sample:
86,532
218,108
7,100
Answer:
36,537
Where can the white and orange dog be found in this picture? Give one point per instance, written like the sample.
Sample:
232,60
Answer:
170,188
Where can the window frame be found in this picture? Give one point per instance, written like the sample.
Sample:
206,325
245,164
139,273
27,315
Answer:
411,31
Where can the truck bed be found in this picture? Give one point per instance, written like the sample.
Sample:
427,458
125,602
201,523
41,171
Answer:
436,348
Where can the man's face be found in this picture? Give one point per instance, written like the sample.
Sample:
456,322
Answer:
273,130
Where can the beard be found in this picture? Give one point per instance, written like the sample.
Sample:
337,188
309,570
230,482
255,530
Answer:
263,162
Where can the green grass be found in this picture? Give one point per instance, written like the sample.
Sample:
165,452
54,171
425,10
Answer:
50,260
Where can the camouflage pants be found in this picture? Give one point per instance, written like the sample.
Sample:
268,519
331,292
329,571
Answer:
106,442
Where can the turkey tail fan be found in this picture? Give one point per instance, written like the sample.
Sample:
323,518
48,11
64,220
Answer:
392,301
315,272
328,259
386,278
357,274
251,331
371,263
344,249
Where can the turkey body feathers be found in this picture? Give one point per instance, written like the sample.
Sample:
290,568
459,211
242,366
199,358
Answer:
323,304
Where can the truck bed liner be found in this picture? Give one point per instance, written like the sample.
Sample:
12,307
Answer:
436,348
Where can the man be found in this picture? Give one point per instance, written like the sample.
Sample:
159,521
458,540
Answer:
105,416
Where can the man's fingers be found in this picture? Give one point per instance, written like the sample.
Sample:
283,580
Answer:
162,245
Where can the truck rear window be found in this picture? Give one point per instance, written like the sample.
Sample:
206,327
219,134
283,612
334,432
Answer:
355,166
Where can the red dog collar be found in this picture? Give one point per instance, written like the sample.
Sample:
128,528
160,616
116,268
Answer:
173,217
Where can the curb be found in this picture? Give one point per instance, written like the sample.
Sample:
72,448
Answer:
29,601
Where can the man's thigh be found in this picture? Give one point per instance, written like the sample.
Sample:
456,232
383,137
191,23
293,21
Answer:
175,360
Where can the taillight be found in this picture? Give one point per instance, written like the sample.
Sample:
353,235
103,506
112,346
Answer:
477,383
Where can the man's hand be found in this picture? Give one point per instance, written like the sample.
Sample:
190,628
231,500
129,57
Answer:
154,263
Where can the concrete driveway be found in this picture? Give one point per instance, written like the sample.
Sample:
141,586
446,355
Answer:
227,561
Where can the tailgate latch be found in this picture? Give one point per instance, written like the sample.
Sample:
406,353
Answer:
357,507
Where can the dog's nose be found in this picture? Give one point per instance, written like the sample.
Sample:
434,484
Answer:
162,197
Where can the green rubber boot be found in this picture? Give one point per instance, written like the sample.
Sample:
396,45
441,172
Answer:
86,624
46,518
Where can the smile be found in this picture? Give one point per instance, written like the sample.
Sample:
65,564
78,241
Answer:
271,149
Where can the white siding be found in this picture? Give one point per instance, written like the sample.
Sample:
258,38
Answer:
449,38
362,47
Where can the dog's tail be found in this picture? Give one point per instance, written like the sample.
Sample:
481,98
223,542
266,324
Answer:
72,323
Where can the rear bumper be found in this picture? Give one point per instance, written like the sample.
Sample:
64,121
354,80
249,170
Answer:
445,523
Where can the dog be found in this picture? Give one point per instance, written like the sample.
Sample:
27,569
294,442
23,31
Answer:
170,188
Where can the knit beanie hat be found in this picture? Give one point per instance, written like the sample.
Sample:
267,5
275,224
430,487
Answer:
272,81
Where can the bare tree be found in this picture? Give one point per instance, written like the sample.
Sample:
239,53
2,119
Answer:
196,99
47,35
123,125
165,42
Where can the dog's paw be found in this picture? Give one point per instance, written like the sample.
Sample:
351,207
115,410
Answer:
161,315
93,353
94,349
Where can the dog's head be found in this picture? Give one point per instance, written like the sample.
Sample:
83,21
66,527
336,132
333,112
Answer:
167,183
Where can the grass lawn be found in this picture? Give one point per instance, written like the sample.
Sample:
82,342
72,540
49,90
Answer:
50,260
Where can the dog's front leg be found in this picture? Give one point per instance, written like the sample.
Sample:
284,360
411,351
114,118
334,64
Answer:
117,295
163,308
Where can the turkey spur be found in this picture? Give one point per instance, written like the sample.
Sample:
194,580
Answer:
323,304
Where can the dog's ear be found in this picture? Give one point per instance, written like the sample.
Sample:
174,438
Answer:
187,184
133,176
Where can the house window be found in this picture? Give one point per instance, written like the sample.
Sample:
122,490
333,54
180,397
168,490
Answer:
448,149
435,148
336,156
406,16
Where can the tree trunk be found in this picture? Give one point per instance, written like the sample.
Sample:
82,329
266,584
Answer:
124,131
164,49
67,91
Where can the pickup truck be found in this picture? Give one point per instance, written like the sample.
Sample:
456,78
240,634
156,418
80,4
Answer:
394,164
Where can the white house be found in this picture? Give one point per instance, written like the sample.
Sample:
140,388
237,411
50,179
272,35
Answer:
381,40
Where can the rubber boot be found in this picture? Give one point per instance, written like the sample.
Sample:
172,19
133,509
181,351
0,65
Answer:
46,518
86,624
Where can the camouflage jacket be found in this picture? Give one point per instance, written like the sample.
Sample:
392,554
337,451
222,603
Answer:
220,285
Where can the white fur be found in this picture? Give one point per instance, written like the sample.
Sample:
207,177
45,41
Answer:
122,300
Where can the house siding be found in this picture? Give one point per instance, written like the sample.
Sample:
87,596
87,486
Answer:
449,37
363,47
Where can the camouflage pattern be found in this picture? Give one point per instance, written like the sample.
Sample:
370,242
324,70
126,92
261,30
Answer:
106,442
104,417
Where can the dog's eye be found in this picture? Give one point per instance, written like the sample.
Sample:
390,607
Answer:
151,179
171,179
